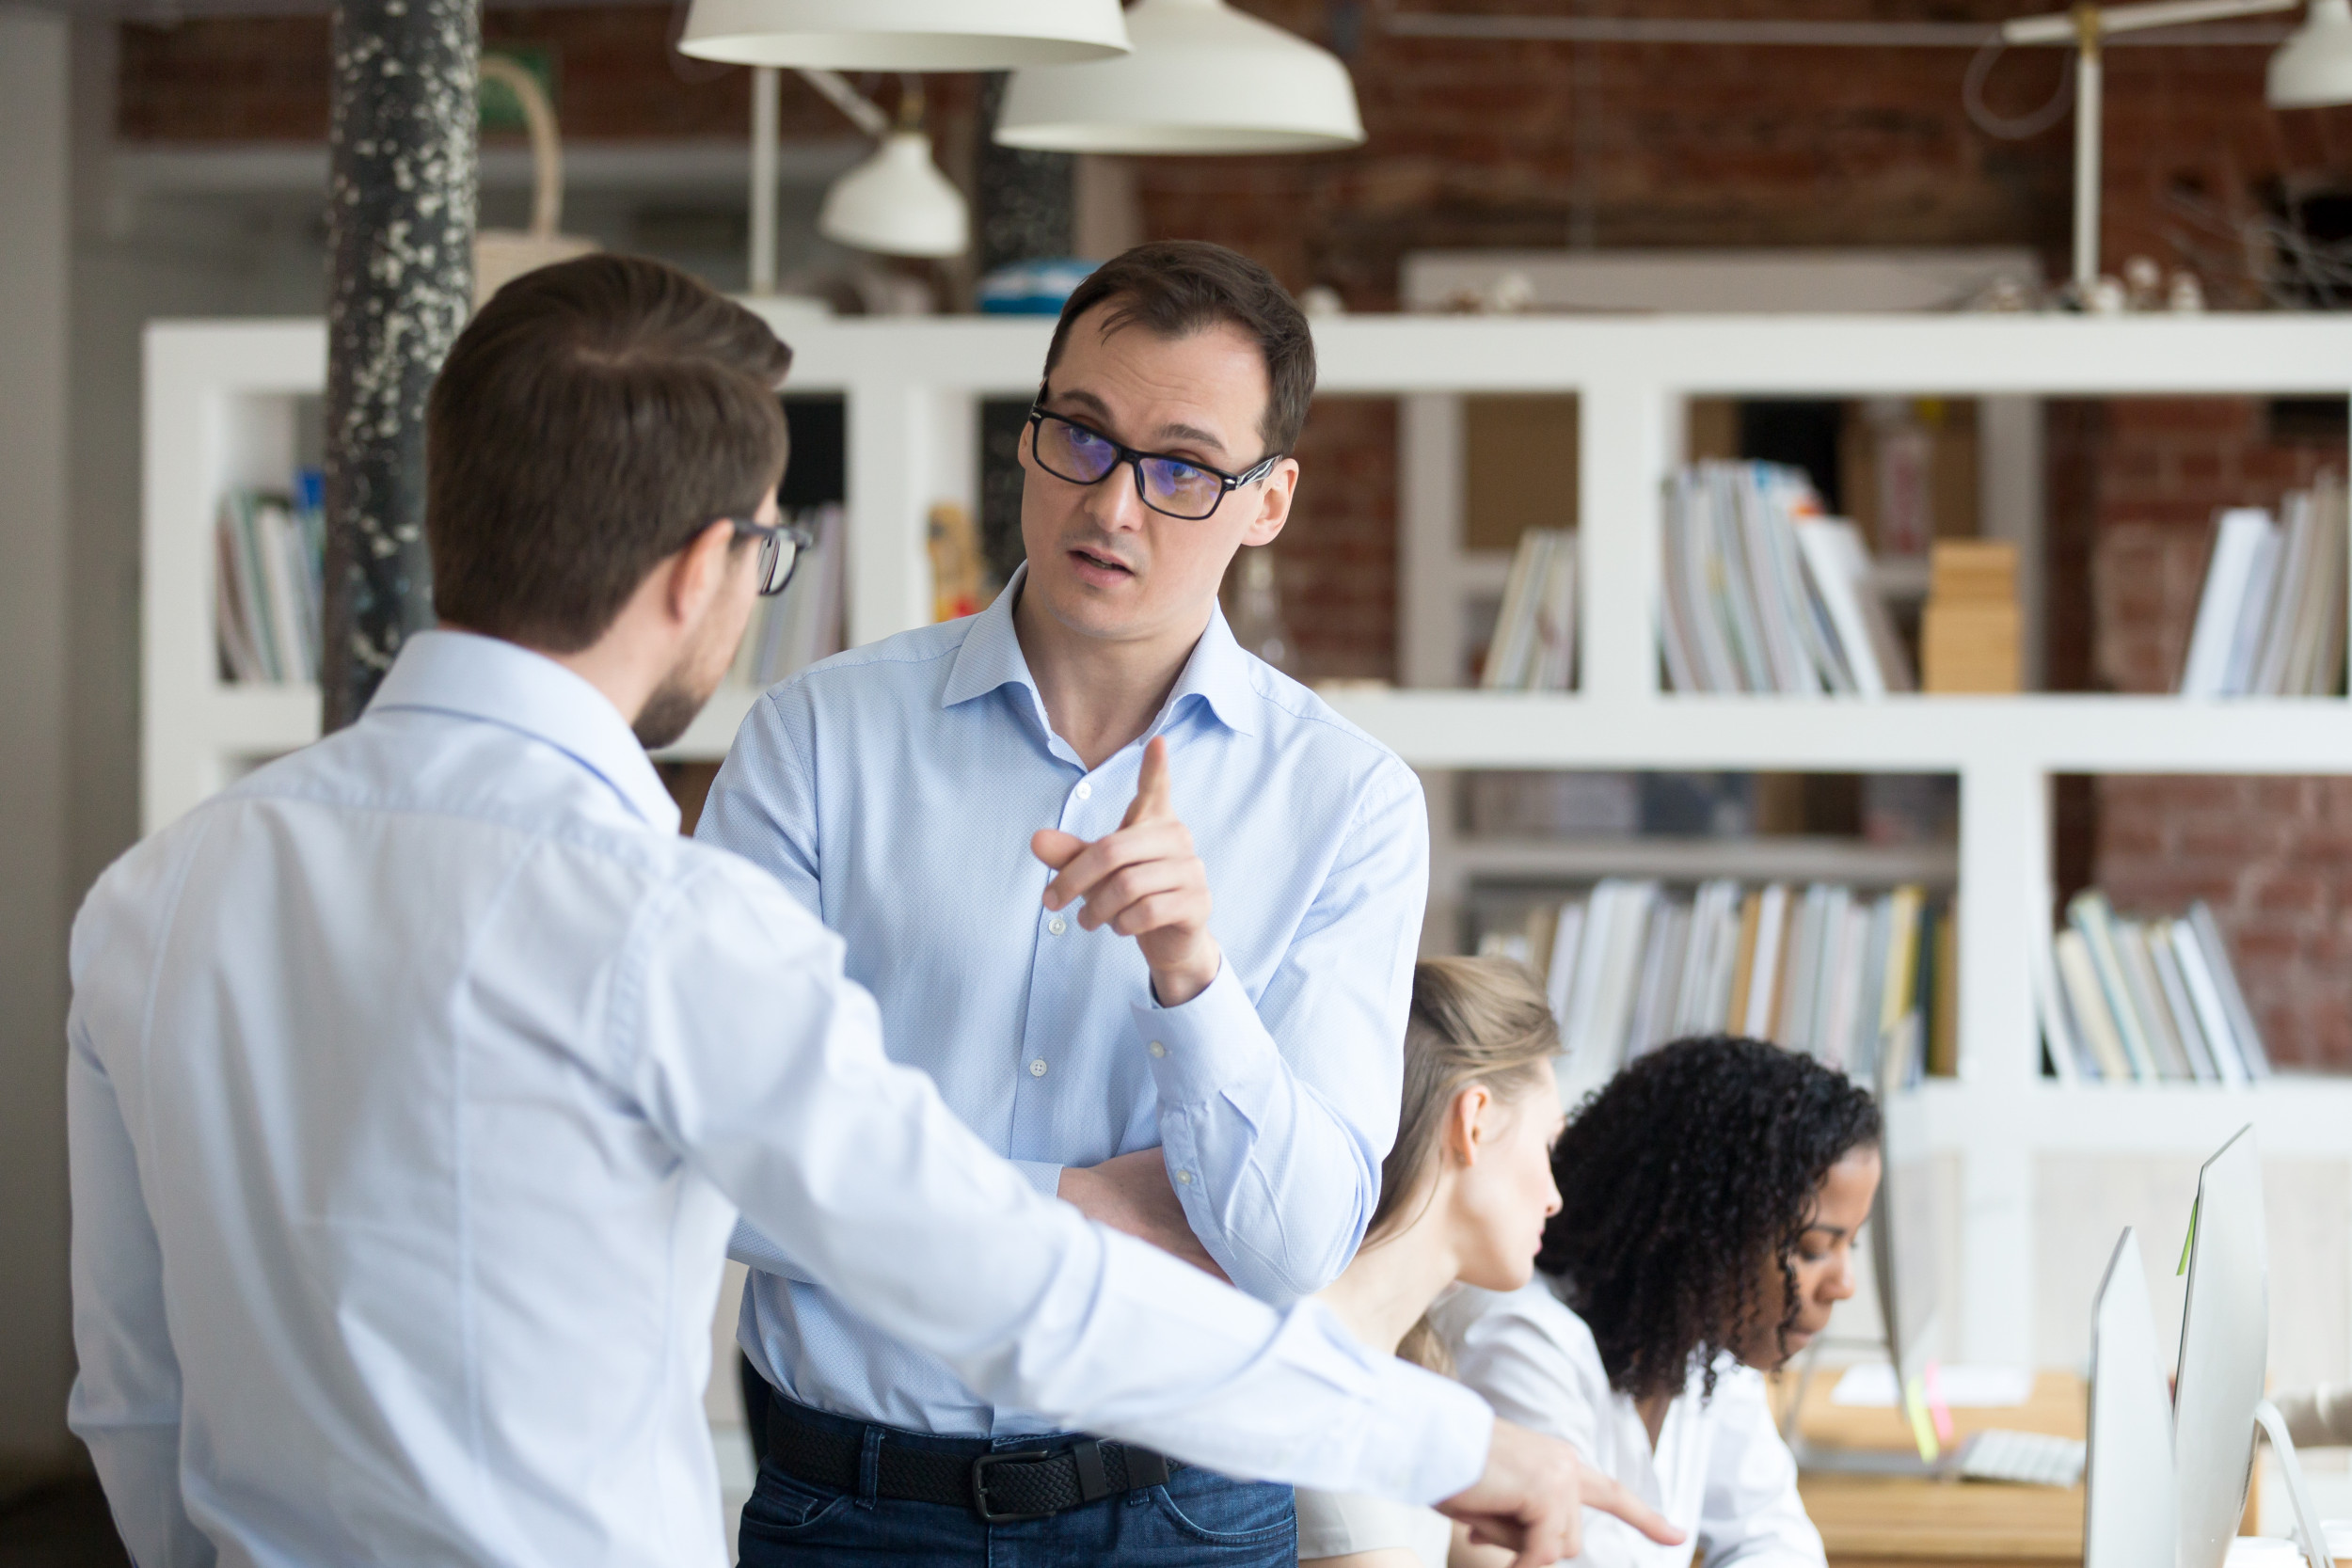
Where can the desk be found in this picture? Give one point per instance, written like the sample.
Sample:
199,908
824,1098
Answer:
1868,1522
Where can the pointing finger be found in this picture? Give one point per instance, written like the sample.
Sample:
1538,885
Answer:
1154,797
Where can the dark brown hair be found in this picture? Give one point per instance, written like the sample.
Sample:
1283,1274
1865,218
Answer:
1175,288
1683,1183
591,420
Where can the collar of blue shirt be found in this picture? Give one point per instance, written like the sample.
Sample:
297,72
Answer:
1217,674
501,683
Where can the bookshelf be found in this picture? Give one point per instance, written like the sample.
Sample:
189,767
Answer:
221,398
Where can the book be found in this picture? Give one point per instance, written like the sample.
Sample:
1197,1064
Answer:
2060,1043
2092,915
2164,958
1942,1011
2148,1001
2087,998
2241,1030
1560,969
2212,1017
1838,569
1756,1018
2239,537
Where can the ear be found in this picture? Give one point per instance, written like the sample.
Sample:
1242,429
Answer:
698,573
1273,503
1466,1129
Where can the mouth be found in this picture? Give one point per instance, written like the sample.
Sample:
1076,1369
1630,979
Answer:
1099,567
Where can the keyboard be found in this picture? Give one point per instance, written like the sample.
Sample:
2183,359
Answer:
2022,1458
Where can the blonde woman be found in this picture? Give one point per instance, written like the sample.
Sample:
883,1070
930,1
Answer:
1464,1194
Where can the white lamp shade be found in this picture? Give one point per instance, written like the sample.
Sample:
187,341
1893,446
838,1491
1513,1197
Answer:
1203,78
904,34
2314,68
896,204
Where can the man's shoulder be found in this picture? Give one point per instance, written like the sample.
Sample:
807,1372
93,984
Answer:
1297,717
913,660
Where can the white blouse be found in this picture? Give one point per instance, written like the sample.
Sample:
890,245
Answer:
1333,1524
1720,1469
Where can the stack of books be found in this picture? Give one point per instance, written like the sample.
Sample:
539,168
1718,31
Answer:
801,625
1828,969
1763,593
2270,620
269,582
1970,633
2144,1001
1534,643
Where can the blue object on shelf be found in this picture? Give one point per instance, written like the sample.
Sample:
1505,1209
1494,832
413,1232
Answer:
1031,288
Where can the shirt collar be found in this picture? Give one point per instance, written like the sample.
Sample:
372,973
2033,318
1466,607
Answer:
502,683
1217,672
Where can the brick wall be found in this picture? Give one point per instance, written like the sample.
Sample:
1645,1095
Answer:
1530,144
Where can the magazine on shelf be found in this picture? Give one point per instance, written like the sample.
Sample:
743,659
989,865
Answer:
1533,647
1631,964
2172,988
2271,613
269,588
1763,593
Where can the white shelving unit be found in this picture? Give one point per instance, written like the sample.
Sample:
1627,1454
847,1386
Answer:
219,407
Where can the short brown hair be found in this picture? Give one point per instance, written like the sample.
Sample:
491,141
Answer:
1174,288
590,421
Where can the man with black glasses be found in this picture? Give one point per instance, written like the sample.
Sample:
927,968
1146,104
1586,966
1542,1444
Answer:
1016,821
414,1082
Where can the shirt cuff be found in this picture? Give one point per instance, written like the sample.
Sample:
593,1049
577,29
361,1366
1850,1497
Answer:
1203,1047
1043,1175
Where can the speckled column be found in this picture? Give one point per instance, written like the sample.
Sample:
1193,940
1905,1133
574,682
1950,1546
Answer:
400,228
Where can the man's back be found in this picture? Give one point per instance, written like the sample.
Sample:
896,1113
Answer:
354,1016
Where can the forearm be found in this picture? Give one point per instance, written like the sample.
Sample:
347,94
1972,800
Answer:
1275,1181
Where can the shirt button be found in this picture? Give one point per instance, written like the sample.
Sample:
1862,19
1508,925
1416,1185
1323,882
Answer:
1085,790
1037,1070
1185,1177
1058,924
1157,1049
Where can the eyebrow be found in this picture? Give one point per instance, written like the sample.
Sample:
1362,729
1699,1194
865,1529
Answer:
1170,432
1830,1229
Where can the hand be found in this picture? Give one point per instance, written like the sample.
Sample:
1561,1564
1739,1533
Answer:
1532,1499
1143,881
1131,1193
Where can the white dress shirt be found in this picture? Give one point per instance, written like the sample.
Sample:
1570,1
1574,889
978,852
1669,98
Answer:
894,790
1720,1470
414,1084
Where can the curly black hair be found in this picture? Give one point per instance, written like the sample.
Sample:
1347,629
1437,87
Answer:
1680,1180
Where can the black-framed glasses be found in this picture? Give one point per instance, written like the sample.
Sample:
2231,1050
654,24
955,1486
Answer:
781,546
1172,486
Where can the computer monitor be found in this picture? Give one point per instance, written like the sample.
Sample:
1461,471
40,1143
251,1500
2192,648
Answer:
2225,1351
2131,1505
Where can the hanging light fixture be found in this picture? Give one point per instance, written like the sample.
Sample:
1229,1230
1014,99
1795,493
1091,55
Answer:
2314,68
1203,78
903,35
897,202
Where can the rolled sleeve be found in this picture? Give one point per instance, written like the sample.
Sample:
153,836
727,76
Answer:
1211,1044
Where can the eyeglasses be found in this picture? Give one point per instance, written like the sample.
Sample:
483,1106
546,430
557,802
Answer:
1172,486
780,548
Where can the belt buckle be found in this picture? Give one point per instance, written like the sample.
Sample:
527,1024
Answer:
980,1466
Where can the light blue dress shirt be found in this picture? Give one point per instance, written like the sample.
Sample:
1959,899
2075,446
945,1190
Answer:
413,1086
894,789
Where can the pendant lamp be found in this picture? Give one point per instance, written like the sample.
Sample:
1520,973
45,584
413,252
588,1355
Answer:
1203,78
2314,68
903,35
896,204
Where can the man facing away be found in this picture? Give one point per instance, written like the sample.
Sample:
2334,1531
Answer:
414,1083
1015,820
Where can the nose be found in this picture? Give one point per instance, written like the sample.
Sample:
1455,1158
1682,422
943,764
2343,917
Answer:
1840,1285
1114,504
1552,1199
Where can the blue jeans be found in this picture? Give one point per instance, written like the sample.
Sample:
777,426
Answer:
1195,1517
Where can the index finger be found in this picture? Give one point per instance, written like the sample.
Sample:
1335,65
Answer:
1604,1493
1154,797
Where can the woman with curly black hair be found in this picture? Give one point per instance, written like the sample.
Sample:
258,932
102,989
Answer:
1710,1196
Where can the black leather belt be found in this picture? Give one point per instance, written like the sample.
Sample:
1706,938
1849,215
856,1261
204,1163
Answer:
1000,1485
